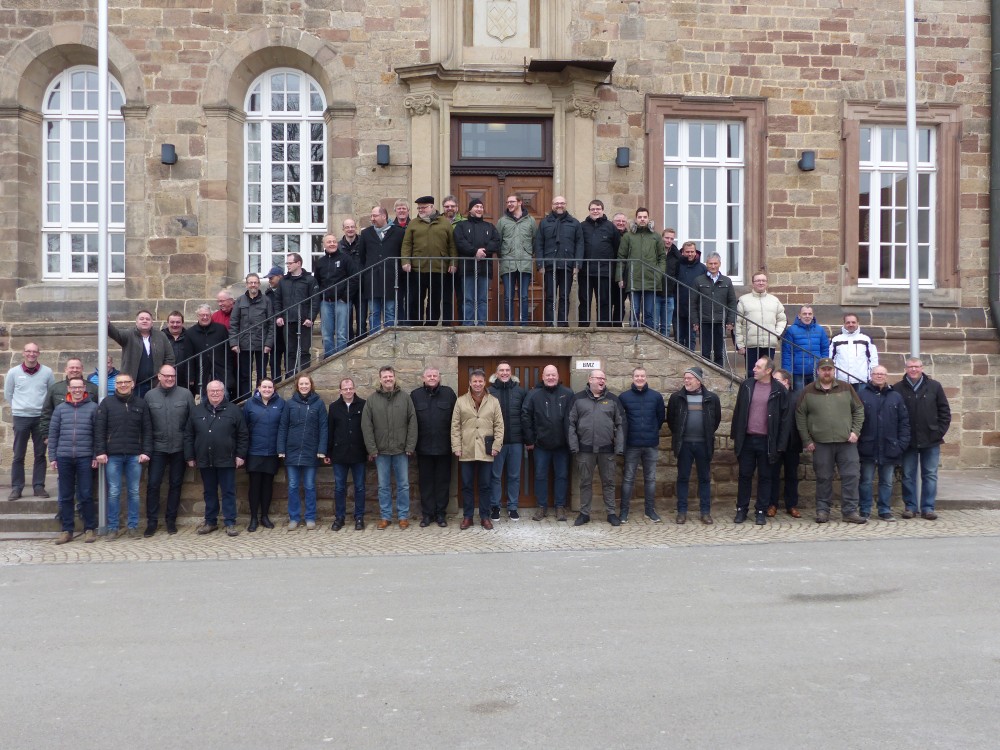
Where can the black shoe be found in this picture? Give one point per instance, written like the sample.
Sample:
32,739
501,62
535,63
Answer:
495,513
741,516
252,526
581,519
425,521
40,492
171,527
15,494
822,516
359,524
338,524
266,522
623,516
150,530
760,518
614,520
513,515
442,522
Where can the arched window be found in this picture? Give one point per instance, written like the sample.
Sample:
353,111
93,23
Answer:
70,177
285,187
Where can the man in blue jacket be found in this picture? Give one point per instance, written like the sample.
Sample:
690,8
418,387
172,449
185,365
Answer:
804,343
71,451
884,436
645,414
558,252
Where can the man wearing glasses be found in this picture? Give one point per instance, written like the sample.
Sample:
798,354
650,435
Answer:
169,410
596,436
296,303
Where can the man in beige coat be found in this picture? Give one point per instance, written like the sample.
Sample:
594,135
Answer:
476,437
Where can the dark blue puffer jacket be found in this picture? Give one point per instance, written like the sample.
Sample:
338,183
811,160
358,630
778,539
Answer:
646,413
303,430
263,422
886,431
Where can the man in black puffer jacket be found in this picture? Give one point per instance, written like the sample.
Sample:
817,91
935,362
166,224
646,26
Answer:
558,249
600,249
508,391
545,422
433,404
477,242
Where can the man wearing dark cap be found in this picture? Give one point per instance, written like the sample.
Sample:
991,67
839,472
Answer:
476,242
693,415
276,358
428,249
829,418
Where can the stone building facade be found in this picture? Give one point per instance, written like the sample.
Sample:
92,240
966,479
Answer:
715,100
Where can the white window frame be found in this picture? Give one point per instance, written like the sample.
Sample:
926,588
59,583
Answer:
268,238
70,176
875,167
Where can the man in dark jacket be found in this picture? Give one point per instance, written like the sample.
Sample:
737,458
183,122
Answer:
666,305
715,300
545,421
759,432
346,450
143,350
884,436
378,252
217,442
177,336
170,407
333,273
596,435
123,441
600,248
209,342
276,360
251,336
558,249
477,242
930,417
57,392
507,463
350,244
645,413
71,452
689,268
694,414
296,303
433,404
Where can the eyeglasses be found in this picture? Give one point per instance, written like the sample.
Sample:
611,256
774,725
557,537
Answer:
164,375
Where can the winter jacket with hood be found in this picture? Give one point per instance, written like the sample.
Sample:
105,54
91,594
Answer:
853,353
645,414
644,259
601,239
302,431
516,238
389,422
263,421
511,397
804,345
251,326
470,235
688,271
886,431
296,298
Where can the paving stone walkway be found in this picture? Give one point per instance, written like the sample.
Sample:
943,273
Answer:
507,536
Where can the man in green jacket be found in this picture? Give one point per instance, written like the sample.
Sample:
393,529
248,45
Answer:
517,234
829,417
428,259
644,268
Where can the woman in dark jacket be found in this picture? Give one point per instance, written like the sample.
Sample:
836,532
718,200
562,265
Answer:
302,440
262,414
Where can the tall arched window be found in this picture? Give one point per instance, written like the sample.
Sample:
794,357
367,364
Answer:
71,173
285,187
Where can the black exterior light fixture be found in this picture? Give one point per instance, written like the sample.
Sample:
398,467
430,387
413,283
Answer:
168,154
382,154
807,162
622,156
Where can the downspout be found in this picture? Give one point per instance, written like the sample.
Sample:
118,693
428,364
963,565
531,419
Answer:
994,264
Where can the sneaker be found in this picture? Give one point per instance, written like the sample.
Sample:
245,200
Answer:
623,516
310,525
495,514
292,525
907,513
653,516
760,518
63,538
513,515
614,520
232,531
539,514
89,536
206,528
561,514
581,519
887,517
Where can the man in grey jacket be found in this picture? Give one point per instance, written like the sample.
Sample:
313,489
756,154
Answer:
170,408
596,436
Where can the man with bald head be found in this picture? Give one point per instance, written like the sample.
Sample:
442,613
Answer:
558,247
545,421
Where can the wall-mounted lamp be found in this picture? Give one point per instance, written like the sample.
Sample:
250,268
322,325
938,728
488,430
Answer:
382,154
807,163
622,156
168,154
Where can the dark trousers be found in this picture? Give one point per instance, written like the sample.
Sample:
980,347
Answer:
76,481
435,484
214,479
607,292
756,352
476,475
753,458
685,335
556,281
713,342
424,296
298,340
25,429
259,493
250,370
788,465
694,454
171,464
276,359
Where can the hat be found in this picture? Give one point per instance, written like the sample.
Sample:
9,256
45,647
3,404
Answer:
825,362
275,271
474,201
424,199
696,371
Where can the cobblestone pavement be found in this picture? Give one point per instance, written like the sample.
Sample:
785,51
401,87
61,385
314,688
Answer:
507,536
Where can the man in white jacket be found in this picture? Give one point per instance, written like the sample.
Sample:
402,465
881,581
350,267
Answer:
760,321
853,353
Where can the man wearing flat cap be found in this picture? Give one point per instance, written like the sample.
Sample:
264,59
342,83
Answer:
428,257
693,415
476,242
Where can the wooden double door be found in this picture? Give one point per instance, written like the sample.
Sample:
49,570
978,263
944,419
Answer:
528,371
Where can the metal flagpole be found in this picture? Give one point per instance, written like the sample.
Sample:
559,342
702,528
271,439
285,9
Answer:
102,234
913,256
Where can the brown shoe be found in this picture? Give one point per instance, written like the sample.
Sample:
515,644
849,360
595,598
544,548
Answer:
66,536
907,513
89,536
930,516
403,523
486,524
383,524
707,519
772,511
466,524
794,513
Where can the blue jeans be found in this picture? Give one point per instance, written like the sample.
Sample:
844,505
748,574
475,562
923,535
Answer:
476,474
665,322
475,288
215,479
885,476
693,453
381,313
335,317
648,458
76,480
507,463
340,489
559,460
117,466
389,467
646,303
304,476
929,459
515,287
